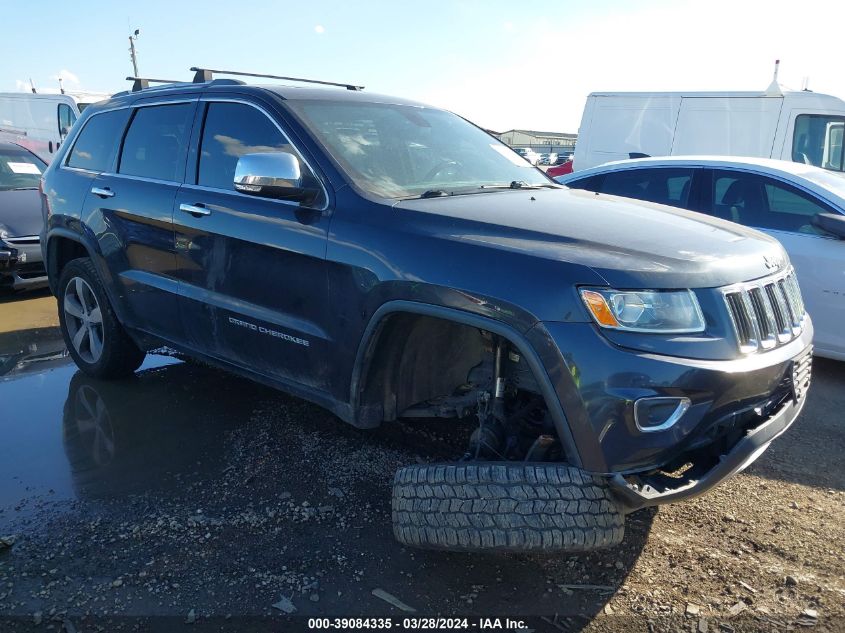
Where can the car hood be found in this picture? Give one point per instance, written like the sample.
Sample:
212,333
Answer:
631,244
20,212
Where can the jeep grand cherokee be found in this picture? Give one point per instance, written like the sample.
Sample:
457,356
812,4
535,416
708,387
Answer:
387,260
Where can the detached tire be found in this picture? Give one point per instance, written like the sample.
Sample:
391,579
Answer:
504,507
94,337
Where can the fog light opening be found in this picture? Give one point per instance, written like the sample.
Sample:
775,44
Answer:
660,413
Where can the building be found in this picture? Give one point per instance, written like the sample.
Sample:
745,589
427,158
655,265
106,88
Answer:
540,142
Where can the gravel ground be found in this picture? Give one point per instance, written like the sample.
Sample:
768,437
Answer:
197,499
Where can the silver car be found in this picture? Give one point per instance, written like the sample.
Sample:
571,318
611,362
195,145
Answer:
800,205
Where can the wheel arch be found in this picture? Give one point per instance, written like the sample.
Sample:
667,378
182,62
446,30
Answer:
64,245
371,339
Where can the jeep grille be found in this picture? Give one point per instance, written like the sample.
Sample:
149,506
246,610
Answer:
765,313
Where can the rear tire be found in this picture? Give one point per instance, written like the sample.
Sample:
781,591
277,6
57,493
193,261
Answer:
94,337
504,507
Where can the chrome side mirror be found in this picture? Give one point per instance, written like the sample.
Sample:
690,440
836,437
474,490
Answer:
272,175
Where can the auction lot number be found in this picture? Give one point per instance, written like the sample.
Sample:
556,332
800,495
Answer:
388,623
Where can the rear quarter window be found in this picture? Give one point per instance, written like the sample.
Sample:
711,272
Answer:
96,144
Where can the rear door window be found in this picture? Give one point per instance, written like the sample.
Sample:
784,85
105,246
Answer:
96,144
669,185
156,143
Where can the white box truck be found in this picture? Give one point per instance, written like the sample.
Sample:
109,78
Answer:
800,126
40,122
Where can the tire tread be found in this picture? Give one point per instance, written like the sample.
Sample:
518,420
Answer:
504,507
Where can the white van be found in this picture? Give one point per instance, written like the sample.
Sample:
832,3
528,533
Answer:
804,127
40,122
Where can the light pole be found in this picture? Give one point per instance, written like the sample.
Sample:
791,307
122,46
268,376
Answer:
132,54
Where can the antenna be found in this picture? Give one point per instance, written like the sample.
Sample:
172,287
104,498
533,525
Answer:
774,87
133,56
61,86
32,86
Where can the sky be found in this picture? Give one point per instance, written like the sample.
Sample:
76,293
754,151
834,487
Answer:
501,64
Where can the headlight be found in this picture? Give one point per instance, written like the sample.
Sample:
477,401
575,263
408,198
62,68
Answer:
658,311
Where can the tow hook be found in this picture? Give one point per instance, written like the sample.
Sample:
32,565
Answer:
8,257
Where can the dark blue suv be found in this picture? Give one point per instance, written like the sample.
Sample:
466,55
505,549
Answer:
387,260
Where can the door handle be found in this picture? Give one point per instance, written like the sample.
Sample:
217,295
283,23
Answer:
196,210
103,193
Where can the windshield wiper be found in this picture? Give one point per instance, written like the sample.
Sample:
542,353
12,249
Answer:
465,191
517,184
433,193
430,193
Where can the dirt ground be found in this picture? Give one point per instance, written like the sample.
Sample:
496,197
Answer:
186,497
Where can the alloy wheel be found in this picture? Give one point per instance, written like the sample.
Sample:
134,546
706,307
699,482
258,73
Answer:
84,320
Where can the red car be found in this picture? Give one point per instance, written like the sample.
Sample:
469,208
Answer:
560,170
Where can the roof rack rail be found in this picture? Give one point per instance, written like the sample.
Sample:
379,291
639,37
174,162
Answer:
203,75
141,83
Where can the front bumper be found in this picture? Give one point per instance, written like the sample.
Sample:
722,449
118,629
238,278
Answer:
597,383
634,493
22,266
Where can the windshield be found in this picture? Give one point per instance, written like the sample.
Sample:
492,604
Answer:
401,151
818,141
19,169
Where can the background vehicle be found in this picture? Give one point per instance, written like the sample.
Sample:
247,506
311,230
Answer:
20,218
528,154
561,169
804,127
387,260
800,205
39,122
548,158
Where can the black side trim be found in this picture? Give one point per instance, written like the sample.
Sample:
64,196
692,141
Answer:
316,396
366,346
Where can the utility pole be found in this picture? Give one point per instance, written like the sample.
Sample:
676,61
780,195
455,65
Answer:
132,54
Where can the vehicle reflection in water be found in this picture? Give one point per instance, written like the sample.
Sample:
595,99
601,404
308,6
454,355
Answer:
31,351
64,436
150,432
